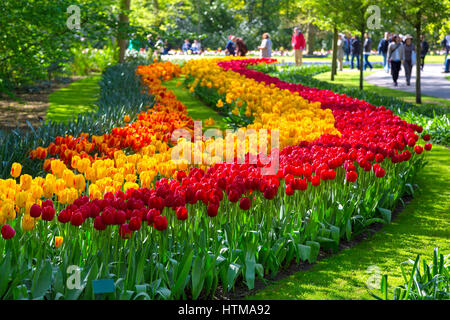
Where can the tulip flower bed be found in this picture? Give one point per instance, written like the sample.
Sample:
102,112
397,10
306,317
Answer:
434,119
119,208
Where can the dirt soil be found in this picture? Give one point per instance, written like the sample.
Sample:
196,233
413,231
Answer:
28,106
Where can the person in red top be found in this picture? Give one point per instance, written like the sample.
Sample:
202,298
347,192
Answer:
298,44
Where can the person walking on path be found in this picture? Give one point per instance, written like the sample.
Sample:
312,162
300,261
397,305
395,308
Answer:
382,50
241,48
424,47
446,44
159,45
347,46
340,51
266,46
298,44
367,48
410,58
355,47
395,56
230,47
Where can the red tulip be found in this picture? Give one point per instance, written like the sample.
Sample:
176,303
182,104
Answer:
64,216
98,223
426,137
418,149
212,210
289,189
48,213
245,203
151,215
135,224
35,211
351,176
182,213
315,181
161,223
380,173
428,146
7,232
76,219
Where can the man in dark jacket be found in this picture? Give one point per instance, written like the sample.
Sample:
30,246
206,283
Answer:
347,40
382,50
424,47
355,50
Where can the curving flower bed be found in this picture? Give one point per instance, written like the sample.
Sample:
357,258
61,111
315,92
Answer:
343,165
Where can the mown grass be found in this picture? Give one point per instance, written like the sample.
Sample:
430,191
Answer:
351,79
77,98
196,109
420,227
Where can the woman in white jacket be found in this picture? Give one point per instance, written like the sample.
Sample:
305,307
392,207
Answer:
395,56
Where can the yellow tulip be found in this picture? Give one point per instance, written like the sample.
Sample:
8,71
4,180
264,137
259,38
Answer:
28,223
16,169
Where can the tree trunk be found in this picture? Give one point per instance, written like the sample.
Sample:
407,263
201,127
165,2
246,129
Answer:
418,89
334,58
361,61
310,39
199,15
123,26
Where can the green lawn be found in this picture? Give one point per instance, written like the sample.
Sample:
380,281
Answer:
196,109
351,79
421,226
79,97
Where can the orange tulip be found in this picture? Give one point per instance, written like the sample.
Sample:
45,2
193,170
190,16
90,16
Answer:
58,241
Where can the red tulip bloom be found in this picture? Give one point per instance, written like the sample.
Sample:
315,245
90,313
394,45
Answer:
289,189
428,146
426,137
7,232
418,149
351,176
47,203
379,158
151,215
135,224
212,210
245,203
64,216
182,213
380,173
161,223
120,217
98,223
76,219
35,211
48,213
315,181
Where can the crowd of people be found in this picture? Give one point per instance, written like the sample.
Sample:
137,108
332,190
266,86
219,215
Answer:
397,50
236,46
